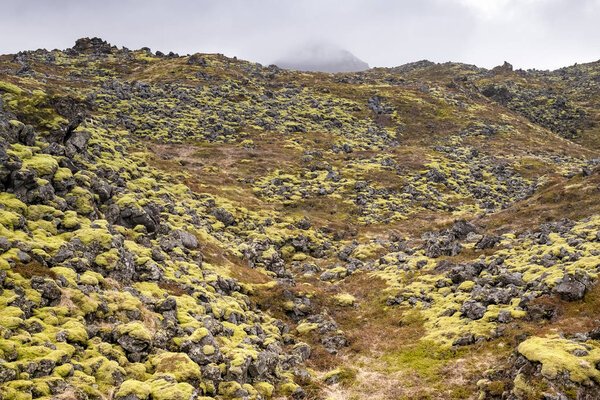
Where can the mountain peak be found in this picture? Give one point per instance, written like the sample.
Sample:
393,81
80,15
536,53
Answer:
322,57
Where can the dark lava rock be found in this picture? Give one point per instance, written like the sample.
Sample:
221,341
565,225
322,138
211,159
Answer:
570,288
473,309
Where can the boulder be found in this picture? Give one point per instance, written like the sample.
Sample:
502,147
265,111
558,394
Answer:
571,288
473,309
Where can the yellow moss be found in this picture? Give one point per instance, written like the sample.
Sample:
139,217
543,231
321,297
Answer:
11,318
198,335
306,327
344,299
10,88
9,219
179,365
136,330
289,388
523,389
367,251
228,389
164,390
44,164
149,289
91,278
62,173
12,203
75,331
84,200
265,389
68,273
90,236
108,259
466,286
140,389
71,220
557,354
63,370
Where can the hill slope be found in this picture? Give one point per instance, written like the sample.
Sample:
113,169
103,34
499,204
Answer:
204,227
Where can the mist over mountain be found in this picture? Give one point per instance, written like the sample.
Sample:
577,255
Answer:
322,57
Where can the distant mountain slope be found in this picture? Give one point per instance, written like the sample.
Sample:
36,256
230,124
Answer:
322,58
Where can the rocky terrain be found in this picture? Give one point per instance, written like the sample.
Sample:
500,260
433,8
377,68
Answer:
200,227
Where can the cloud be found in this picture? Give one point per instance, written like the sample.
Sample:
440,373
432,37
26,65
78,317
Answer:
528,33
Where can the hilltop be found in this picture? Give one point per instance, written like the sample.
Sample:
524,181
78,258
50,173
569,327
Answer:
322,58
196,227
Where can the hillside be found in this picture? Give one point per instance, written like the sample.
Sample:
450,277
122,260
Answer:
197,227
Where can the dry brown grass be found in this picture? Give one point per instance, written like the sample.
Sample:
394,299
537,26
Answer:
32,269
574,198
172,288
569,317
65,300
149,320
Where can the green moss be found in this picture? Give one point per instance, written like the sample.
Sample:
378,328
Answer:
10,88
265,389
179,365
229,389
289,388
208,350
44,164
11,317
128,201
141,390
108,259
84,200
63,370
7,348
62,174
198,335
41,388
91,278
135,371
557,354
344,299
67,273
368,251
306,327
150,289
84,304
89,236
466,286
76,332
104,371
9,219
71,220
12,203
136,330
122,301
21,389
20,151
345,376
425,358
162,390
523,388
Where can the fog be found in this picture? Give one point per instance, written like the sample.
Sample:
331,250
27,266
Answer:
543,34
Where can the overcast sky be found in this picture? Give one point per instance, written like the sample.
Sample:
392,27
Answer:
544,34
